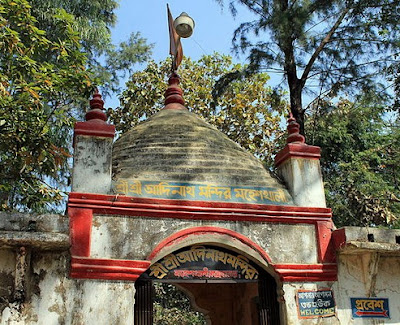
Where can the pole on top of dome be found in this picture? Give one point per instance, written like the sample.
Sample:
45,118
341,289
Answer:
180,27
183,27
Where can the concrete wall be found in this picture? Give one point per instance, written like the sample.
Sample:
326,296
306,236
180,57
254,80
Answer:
35,287
134,237
360,274
34,284
53,298
367,274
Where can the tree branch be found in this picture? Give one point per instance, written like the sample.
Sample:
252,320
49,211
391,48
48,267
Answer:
322,45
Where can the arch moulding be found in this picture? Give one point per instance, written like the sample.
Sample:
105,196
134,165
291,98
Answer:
216,236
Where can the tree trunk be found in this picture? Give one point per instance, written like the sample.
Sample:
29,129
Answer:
296,106
295,84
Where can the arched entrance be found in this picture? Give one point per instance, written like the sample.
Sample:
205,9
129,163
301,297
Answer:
228,286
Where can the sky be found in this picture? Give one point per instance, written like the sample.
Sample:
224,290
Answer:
213,26
213,30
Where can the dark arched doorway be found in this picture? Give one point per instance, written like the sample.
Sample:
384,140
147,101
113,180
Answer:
229,287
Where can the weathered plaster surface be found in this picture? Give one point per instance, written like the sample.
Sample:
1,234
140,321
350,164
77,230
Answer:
92,165
134,238
303,178
44,223
382,236
56,299
7,273
177,145
359,277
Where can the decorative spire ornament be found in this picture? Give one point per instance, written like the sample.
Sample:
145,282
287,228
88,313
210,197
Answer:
294,131
174,93
96,108
95,123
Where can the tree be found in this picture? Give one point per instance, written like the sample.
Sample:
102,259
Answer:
322,46
360,160
249,112
39,80
49,67
172,307
92,21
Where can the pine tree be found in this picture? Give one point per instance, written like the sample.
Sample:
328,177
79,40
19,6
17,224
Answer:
323,47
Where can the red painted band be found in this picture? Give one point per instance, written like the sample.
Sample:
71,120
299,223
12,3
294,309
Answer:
297,150
325,247
126,201
97,128
309,278
197,210
110,262
104,276
107,269
306,272
80,224
339,238
331,266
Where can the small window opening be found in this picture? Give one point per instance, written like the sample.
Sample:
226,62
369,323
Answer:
397,239
371,238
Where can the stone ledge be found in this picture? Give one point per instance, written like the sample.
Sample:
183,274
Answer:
48,223
35,240
368,234
359,240
357,247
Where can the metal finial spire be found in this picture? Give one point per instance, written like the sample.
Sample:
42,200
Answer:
180,27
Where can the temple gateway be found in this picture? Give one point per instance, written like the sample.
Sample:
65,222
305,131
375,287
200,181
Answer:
174,200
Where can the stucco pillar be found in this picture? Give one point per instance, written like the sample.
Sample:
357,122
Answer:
298,164
92,151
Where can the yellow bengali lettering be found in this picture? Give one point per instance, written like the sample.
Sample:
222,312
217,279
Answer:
157,189
211,254
136,188
199,252
122,187
379,304
370,304
209,191
232,260
247,194
251,273
158,271
170,262
183,191
279,196
221,256
186,256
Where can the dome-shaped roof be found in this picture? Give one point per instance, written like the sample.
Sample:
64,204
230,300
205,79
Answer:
177,148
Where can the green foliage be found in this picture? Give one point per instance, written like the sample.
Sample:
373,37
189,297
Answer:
172,307
360,161
322,47
39,79
249,112
92,21
50,63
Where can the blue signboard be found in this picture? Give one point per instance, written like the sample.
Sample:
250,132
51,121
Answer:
370,307
318,303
